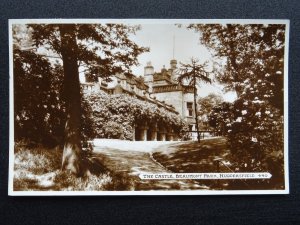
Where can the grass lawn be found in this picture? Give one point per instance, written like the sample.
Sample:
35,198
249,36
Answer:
116,165
38,169
191,156
194,157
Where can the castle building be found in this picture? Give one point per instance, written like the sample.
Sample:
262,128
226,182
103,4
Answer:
160,88
165,87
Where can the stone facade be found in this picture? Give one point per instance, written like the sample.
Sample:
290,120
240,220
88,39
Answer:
164,87
160,88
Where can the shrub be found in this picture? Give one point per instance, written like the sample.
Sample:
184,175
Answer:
254,129
38,160
99,108
113,130
38,169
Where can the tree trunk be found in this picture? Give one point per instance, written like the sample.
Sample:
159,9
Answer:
72,147
195,107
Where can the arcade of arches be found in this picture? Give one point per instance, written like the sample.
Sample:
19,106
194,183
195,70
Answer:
154,132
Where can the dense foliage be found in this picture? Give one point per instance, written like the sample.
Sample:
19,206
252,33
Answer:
255,135
126,111
251,62
100,50
246,51
220,116
206,105
113,130
38,110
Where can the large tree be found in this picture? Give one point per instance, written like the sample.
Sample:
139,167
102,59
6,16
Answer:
192,74
99,50
206,105
250,60
38,110
247,52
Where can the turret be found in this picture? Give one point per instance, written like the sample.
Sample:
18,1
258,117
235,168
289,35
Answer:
173,64
148,75
163,70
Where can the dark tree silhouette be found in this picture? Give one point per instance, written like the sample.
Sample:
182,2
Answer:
102,50
246,51
192,74
206,105
250,60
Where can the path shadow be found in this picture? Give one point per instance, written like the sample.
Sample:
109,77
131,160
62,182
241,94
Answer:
192,157
132,163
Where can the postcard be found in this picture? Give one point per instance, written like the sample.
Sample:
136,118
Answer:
148,107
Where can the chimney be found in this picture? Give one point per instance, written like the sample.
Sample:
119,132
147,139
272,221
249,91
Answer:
148,70
148,75
173,64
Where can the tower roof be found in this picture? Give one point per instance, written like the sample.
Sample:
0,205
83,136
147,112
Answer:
149,65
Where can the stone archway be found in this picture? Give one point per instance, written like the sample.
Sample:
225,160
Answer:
149,133
141,132
137,134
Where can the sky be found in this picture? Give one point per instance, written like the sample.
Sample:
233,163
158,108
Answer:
168,41
162,39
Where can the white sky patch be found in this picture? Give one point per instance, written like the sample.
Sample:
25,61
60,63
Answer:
164,40
160,39
206,89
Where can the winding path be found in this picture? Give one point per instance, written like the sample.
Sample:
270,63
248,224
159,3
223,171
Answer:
133,158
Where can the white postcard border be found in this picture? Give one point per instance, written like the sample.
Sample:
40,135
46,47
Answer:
11,192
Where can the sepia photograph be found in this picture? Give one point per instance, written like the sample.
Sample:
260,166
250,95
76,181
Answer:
148,107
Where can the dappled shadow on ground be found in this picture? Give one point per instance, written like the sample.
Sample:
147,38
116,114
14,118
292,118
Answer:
25,184
132,163
118,169
209,156
39,170
93,165
194,157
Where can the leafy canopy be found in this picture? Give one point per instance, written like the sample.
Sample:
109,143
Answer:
127,111
103,49
193,73
246,51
